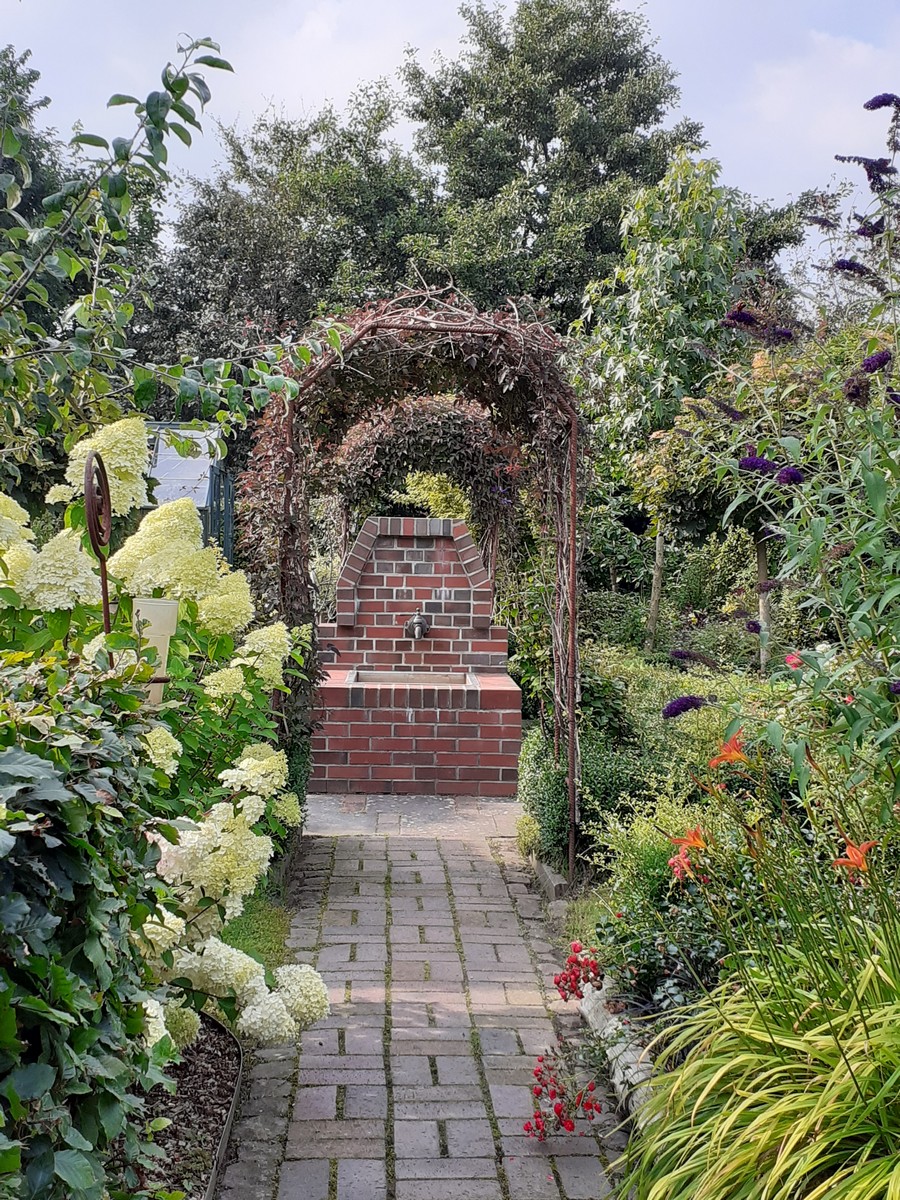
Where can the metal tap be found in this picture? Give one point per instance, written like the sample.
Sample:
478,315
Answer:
417,627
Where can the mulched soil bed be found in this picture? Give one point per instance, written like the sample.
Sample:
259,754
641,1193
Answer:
206,1079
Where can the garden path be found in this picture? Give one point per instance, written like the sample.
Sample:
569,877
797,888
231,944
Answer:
418,913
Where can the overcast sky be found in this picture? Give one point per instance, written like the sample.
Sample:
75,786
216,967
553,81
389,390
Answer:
777,84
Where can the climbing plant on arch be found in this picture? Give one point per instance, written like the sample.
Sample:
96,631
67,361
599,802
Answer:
422,344
434,433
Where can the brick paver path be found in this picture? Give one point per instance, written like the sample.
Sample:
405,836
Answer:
419,916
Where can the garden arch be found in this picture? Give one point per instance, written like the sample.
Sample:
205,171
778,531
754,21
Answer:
421,344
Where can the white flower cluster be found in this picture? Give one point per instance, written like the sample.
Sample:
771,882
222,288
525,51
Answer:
163,749
225,684
304,993
269,1017
14,522
166,554
219,858
288,810
261,770
126,455
265,650
182,1024
163,931
59,576
154,1022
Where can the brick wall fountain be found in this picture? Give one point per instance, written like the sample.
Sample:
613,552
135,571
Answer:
437,714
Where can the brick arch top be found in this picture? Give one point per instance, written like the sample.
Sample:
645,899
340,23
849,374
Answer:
417,563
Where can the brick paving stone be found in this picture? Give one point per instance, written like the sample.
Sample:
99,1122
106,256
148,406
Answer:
416,1139
304,1180
531,1179
448,1189
361,1177
464,951
582,1178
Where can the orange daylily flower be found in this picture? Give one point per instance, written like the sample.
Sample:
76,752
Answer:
855,859
730,752
692,840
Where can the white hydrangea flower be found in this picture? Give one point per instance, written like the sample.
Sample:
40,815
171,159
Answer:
154,1022
163,931
267,1022
261,776
60,493
288,809
163,749
182,1024
265,650
14,522
252,808
126,455
15,562
225,684
166,537
229,607
304,993
60,576
215,858
219,969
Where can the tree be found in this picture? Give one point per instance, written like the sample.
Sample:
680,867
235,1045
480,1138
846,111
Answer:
305,216
540,131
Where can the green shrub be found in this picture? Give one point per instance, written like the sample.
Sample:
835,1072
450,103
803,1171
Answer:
620,619
544,796
76,878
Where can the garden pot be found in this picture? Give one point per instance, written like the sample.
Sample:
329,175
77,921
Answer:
155,621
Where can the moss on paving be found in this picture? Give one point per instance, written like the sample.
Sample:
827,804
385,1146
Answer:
262,930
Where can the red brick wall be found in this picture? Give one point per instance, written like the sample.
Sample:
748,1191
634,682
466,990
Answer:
418,738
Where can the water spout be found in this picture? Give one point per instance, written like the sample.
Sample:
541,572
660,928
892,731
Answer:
417,627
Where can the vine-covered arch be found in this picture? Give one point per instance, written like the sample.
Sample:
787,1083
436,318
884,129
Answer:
444,434
416,345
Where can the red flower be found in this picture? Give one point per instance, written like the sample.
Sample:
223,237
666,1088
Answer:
692,840
794,661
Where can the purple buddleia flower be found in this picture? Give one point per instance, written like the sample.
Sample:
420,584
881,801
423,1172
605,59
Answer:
822,222
682,704
851,267
769,585
740,316
869,229
882,100
755,462
773,534
876,169
779,333
856,390
681,655
789,475
877,361
894,687
893,397
733,414
753,627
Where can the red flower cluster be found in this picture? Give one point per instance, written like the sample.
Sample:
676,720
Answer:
581,968
565,1099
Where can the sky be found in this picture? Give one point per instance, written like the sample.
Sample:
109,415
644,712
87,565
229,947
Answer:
777,84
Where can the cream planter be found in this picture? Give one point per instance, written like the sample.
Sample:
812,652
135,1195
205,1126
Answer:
155,621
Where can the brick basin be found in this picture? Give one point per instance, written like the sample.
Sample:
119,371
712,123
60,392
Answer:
380,732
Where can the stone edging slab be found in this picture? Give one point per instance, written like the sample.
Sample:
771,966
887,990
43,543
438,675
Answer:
630,1064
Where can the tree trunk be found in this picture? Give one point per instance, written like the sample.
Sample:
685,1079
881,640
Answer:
656,589
765,601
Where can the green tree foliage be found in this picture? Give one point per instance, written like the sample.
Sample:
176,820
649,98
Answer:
305,215
655,322
540,131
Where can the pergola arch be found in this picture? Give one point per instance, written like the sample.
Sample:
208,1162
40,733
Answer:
416,344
